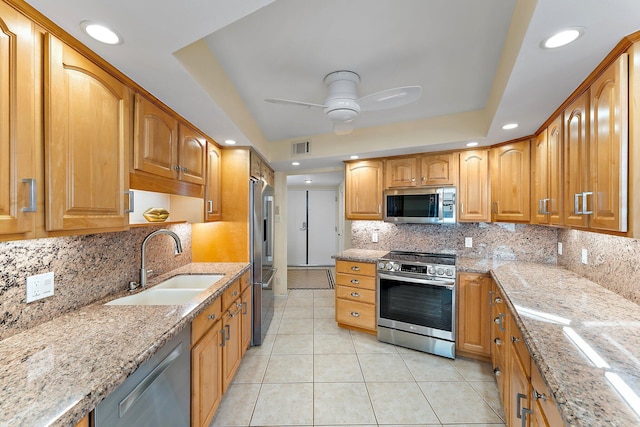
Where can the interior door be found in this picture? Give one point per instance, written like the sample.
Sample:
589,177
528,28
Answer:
296,227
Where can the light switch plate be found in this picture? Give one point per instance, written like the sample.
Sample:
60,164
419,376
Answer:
468,242
374,237
559,248
585,256
39,286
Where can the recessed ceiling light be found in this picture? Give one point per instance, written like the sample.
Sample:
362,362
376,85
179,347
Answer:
509,126
308,181
472,144
295,163
101,33
354,157
562,38
230,141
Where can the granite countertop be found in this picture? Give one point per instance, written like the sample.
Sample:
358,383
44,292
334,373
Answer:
56,373
584,339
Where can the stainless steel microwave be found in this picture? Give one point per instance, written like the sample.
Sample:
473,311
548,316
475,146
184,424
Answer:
431,205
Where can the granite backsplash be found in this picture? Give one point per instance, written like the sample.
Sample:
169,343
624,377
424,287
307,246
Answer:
612,262
86,268
490,240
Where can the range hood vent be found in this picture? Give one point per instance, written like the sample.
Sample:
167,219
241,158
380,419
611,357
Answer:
301,148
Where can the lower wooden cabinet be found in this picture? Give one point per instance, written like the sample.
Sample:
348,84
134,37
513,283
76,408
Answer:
83,422
246,323
231,343
473,334
355,295
206,376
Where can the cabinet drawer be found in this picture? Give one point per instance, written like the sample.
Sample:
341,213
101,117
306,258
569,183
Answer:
356,294
355,281
205,320
520,348
245,281
359,268
356,314
544,399
231,294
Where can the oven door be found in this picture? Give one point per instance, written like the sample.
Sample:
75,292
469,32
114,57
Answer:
418,305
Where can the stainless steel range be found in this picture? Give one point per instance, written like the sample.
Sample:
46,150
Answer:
417,301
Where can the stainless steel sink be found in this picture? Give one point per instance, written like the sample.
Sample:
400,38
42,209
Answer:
177,290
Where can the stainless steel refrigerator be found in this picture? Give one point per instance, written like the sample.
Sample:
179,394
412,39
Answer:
261,236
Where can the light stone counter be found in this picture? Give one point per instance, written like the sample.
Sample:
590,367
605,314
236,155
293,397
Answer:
56,373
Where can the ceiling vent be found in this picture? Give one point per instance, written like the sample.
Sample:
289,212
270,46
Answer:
301,148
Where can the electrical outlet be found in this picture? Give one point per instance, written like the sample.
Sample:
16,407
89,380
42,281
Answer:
39,286
559,248
468,242
585,256
374,237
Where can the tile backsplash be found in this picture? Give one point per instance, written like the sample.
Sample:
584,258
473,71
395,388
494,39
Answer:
86,268
612,262
490,240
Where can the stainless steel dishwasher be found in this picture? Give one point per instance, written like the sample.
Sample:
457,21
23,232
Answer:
156,394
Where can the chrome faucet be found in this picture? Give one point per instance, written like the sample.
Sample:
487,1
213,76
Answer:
143,267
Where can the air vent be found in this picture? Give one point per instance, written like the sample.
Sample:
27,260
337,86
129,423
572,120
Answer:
301,148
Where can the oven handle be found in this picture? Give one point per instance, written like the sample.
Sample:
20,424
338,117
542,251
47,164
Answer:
449,284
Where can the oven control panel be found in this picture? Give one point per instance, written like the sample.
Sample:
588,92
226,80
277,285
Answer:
420,269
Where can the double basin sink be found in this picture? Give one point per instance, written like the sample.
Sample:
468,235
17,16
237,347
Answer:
177,290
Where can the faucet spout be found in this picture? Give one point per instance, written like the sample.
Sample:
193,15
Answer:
143,264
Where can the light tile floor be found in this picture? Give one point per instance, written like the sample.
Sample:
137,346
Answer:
310,372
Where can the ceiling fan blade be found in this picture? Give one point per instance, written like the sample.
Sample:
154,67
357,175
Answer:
342,128
390,98
289,102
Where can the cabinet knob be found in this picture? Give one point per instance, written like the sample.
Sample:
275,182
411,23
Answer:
234,293
515,339
355,268
413,180
424,178
355,314
497,372
498,341
355,294
537,395
211,317
176,168
355,281
498,300
184,170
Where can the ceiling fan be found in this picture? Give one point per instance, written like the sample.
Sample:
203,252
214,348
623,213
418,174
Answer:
343,106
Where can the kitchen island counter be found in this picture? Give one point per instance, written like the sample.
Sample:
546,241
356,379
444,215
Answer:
58,371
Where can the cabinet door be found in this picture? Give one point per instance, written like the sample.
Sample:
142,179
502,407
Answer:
540,179
519,392
231,351
363,190
474,322
576,161
87,122
155,140
206,376
400,172
555,192
439,169
213,199
499,321
510,182
255,165
473,189
608,148
247,319
192,155
17,121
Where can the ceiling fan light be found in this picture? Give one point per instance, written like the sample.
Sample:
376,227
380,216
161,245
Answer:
342,115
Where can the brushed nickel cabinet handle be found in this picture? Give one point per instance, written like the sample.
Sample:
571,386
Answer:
131,200
32,194
209,206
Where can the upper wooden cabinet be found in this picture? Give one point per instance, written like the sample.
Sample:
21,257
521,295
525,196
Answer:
596,152
546,176
424,170
363,190
192,155
439,169
260,169
473,187
213,198
510,182
86,122
17,124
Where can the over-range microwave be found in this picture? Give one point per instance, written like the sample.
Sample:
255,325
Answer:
430,205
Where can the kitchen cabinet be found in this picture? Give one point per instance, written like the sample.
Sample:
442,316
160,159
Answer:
547,175
247,317
400,172
545,411
499,349
83,422
168,155
260,169
355,295
86,122
17,124
206,364
363,190
212,191
596,153
519,410
439,169
231,333
473,335
510,182
473,187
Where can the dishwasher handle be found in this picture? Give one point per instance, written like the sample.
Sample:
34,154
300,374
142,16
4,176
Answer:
137,392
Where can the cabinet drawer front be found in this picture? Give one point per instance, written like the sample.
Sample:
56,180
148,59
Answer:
205,320
359,268
356,314
356,294
544,399
231,294
245,281
352,280
521,350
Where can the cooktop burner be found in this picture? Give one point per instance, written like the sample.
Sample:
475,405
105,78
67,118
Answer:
424,264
